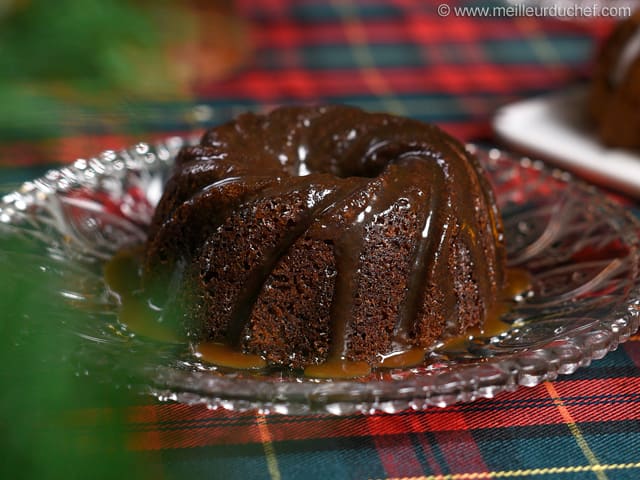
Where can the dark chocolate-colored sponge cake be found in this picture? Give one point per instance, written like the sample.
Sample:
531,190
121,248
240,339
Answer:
323,233
614,102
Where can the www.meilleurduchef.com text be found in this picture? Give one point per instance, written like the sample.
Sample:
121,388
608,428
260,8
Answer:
581,10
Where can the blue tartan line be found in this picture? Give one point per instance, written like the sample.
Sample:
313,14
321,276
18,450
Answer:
303,13
168,118
602,373
140,118
345,458
358,457
418,451
568,51
605,427
12,175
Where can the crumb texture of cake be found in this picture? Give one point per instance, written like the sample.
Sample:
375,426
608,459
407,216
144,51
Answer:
614,98
315,234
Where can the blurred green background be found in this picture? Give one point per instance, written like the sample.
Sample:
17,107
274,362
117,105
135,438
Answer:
88,68
72,68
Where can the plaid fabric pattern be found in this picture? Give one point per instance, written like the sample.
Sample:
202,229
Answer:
586,425
397,56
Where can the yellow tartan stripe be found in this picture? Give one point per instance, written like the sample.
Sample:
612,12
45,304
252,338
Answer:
525,472
542,47
267,445
574,429
358,43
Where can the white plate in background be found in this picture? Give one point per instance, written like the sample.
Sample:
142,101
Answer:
555,127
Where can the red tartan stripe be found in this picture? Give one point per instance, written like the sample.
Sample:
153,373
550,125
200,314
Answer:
418,11
474,129
565,24
162,439
270,86
62,149
179,426
597,387
461,451
397,455
68,149
175,413
418,27
20,154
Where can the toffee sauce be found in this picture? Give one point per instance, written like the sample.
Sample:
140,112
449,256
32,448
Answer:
123,277
355,168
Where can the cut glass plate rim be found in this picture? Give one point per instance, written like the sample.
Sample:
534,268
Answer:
25,209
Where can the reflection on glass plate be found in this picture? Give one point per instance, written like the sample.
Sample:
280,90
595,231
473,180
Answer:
581,250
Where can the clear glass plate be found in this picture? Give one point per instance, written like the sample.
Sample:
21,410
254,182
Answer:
580,248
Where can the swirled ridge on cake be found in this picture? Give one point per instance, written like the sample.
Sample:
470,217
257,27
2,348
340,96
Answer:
312,234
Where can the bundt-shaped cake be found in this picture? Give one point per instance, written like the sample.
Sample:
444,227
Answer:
614,103
319,234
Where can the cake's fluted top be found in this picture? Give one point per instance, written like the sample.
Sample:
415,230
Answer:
363,191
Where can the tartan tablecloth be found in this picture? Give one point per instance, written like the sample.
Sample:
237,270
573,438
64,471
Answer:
397,56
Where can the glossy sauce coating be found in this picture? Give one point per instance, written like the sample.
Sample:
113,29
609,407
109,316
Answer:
349,190
122,275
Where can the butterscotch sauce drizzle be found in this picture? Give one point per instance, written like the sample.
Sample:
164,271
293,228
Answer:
428,248
402,359
228,356
489,204
349,243
338,368
517,283
343,298
380,154
200,223
243,304
479,257
350,240
245,301
122,274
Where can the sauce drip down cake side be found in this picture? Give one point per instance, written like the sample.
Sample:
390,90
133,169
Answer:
317,236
